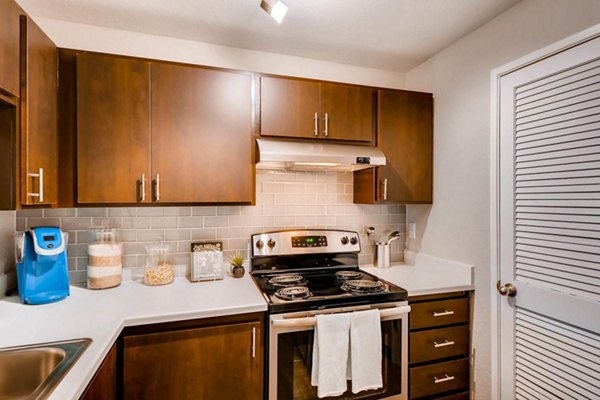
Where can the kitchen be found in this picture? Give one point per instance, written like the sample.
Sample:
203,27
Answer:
456,226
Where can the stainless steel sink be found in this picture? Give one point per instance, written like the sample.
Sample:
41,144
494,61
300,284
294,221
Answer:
32,372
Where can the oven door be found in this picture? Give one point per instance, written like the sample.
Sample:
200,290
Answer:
290,353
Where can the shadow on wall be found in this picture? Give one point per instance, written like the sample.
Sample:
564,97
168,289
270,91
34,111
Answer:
418,214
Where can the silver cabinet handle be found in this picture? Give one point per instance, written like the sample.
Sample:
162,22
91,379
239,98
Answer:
444,344
442,313
157,187
41,172
253,342
385,184
326,128
446,378
40,193
143,187
316,121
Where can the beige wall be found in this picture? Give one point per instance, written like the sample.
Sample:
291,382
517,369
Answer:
457,225
107,40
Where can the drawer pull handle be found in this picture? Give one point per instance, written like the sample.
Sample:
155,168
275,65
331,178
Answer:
446,378
442,313
446,343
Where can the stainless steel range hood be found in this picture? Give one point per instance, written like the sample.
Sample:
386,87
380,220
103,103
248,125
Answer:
316,156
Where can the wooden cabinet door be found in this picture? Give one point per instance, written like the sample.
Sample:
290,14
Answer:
406,138
221,362
289,108
104,383
39,140
347,112
9,47
113,129
405,135
201,135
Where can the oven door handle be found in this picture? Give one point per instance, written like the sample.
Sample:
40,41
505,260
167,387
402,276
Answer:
307,322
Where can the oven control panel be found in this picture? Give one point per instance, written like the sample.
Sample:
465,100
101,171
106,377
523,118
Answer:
309,241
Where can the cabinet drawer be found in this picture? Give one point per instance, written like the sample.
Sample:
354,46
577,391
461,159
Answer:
439,378
437,313
435,344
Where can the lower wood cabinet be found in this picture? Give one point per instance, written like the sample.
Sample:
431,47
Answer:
104,383
439,346
218,358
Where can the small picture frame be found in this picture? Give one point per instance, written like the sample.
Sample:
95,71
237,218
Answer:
207,261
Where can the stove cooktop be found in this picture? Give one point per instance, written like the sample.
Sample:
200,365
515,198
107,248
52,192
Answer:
299,270
326,289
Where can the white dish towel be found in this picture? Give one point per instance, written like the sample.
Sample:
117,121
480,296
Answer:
330,354
365,350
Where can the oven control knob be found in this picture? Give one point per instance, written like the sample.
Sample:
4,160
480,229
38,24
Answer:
260,244
271,243
345,240
353,240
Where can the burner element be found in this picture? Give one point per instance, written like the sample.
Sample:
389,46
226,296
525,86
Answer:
347,275
293,293
287,280
363,286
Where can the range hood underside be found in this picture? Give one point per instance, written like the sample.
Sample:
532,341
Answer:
311,156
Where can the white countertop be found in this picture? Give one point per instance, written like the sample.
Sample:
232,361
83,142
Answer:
424,274
102,314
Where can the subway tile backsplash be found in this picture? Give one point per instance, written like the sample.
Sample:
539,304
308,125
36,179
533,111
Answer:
283,200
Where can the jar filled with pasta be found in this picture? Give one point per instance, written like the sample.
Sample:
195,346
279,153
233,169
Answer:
159,267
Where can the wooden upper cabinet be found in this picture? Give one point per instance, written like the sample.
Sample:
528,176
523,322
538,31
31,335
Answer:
215,362
113,129
39,140
406,138
9,47
309,109
201,135
347,112
405,135
289,108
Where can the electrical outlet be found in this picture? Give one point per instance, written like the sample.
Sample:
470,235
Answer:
412,230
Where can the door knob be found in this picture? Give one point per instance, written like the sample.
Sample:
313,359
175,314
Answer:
508,289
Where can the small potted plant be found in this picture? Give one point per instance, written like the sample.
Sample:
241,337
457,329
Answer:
237,265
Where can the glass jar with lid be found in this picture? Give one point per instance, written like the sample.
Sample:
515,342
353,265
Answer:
105,254
159,266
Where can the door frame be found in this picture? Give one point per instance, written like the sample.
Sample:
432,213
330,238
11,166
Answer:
496,75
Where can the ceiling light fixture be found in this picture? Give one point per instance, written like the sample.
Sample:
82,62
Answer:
275,8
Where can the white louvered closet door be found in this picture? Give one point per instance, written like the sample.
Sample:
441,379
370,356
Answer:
549,227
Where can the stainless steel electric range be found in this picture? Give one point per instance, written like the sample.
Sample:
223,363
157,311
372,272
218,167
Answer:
303,273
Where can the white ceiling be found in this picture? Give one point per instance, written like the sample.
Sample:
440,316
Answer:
386,34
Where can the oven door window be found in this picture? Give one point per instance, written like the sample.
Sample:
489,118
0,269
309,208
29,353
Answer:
294,361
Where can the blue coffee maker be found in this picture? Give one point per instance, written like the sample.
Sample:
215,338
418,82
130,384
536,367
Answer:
42,270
